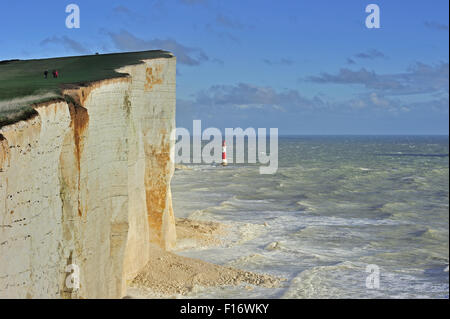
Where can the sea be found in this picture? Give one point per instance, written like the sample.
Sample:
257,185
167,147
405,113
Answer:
343,217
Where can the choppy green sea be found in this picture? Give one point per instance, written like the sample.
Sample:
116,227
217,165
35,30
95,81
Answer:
335,206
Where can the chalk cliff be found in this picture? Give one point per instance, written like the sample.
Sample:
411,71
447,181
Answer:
86,182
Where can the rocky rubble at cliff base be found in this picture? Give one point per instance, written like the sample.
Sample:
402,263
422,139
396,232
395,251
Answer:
168,274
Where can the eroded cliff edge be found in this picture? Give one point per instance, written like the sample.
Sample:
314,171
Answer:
86,182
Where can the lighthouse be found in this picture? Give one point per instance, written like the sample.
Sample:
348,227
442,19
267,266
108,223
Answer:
224,154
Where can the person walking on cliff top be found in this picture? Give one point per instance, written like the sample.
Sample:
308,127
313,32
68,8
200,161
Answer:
56,73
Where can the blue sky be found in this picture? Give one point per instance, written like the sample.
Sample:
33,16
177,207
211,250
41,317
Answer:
306,67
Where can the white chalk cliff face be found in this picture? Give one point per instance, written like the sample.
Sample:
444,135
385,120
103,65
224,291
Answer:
87,183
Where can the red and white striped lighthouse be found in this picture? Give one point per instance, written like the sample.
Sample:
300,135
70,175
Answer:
224,154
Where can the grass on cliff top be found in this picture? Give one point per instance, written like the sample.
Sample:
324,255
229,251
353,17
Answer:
22,82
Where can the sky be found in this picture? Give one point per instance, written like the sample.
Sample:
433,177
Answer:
304,67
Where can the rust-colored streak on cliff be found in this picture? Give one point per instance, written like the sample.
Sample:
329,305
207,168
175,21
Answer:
79,121
153,76
4,152
156,188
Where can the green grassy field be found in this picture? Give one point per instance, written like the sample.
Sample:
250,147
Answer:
24,82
